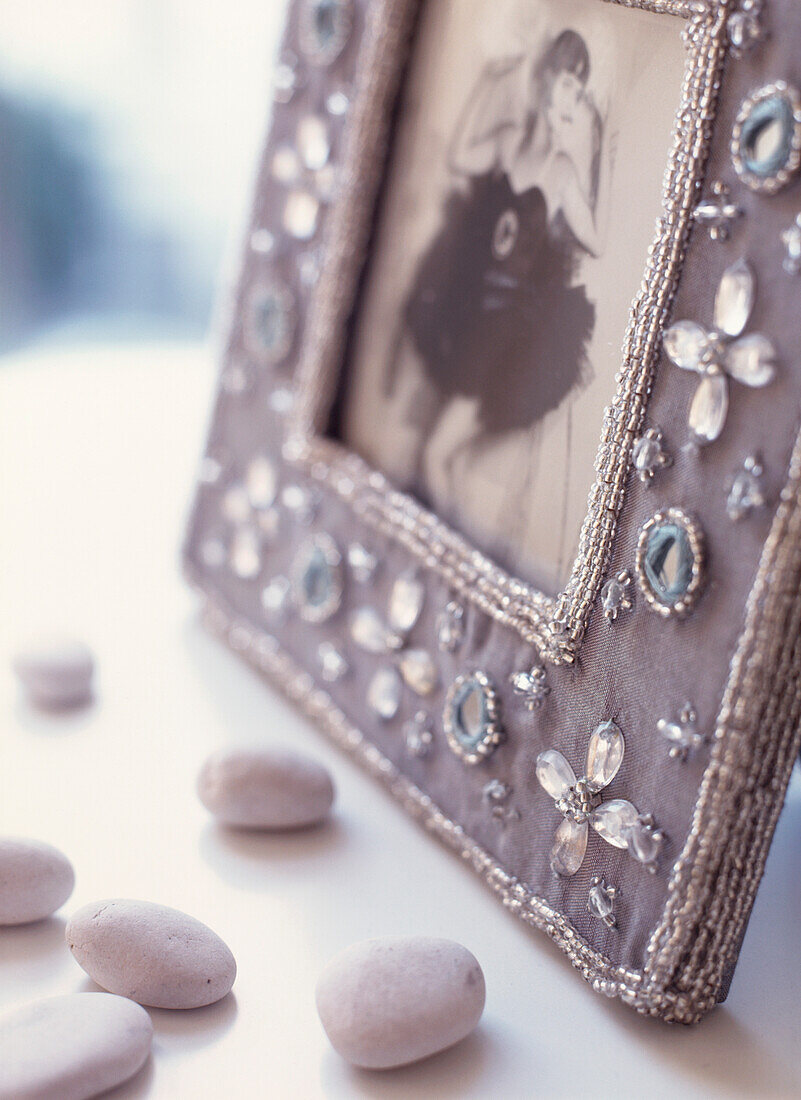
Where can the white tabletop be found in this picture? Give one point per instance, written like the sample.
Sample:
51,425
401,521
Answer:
98,450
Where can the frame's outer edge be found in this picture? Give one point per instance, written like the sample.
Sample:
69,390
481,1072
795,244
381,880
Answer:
757,740
758,734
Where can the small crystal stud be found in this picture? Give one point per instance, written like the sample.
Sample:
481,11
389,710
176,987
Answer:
417,735
275,597
746,493
718,213
601,901
450,627
683,735
648,455
333,665
286,79
532,686
745,27
496,795
791,239
616,595
645,842
301,502
363,564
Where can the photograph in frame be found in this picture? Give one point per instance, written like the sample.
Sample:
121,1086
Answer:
521,199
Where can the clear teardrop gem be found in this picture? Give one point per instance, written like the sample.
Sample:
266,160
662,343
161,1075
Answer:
735,299
709,407
569,847
313,143
235,504
300,215
261,481
384,693
244,553
752,360
555,775
406,602
612,820
686,343
285,165
370,632
419,671
604,755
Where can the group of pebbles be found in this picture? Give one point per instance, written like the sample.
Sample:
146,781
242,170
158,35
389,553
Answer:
383,1002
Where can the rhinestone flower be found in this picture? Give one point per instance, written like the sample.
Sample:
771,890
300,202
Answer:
531,686
616,595
580,804
722,353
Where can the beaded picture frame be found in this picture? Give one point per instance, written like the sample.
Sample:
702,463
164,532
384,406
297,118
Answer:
664,673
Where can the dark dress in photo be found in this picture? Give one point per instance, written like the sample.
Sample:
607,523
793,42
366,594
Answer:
493,312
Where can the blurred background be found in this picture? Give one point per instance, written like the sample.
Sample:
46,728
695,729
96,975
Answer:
129,131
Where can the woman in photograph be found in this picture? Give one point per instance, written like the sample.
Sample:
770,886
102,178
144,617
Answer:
495,315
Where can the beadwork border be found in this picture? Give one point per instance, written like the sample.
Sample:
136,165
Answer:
557,625
713,883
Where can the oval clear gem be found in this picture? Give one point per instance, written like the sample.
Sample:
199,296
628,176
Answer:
604,755
419,671
406,602
555,775
569,847
613,820
384,693
370,632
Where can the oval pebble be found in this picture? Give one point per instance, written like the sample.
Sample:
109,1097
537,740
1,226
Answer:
35,880
390,1001
153,954
56,673
72,1047
265,788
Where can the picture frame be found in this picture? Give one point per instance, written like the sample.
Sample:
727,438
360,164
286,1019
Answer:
474,694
